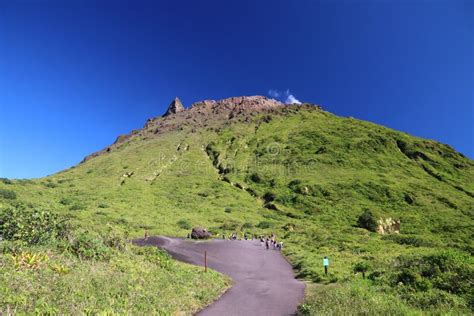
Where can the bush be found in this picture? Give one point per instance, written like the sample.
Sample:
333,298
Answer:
87,246
50,185
115,239
361,267
368,221
7,194
184,224
256,178
269,197
65,201
77,207
444,271
247,225
230,225
411,240
155,255
6,181
31,226
265,224
102,205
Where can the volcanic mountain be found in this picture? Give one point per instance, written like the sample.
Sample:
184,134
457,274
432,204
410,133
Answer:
255,164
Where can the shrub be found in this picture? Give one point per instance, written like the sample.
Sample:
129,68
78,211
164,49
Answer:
6,181
247,225
77,207
102,205
293,184
256,178
230,225
265,224
7,194
228,210
444,271
115,239
184,224
65,201
368,221
411,240
51,185
87,246
269,197
155,255
31,226
361,267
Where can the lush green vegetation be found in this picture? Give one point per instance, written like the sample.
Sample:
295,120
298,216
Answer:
320,182
49,268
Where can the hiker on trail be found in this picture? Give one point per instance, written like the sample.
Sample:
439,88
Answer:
146,234
245,236
267,244
281,245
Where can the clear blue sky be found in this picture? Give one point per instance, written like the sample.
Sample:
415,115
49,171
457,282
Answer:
74,75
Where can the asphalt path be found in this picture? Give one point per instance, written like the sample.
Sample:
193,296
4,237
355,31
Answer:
263,281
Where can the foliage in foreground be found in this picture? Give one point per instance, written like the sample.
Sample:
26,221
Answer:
75,272
439,283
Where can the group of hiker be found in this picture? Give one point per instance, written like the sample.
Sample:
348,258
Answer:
271,241
267,241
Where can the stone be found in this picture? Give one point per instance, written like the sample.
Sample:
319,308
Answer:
175,107
200,233
388,226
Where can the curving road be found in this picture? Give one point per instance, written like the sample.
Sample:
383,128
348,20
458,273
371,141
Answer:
264,283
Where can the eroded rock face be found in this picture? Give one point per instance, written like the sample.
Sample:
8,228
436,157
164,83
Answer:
200,233
388,226
236,104
175,107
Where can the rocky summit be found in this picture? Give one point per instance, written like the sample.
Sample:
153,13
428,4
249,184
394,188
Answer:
205,114
175,107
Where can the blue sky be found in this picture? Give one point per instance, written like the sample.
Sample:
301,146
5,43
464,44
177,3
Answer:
75,74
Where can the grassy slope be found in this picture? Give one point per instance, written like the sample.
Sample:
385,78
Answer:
342,165
126,283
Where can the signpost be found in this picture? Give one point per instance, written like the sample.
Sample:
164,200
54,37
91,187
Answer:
326,265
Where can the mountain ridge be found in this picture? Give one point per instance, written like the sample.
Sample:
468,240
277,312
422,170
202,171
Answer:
201,114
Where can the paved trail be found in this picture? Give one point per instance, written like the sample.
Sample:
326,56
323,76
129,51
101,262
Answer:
264,283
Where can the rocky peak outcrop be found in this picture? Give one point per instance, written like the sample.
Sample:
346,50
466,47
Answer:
256,102
175,107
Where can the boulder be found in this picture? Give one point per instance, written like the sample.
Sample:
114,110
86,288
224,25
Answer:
200,233
388,226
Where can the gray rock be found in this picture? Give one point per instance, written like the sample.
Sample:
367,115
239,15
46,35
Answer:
200,233
175,107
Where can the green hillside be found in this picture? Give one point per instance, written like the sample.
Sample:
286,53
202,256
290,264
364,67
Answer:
299,172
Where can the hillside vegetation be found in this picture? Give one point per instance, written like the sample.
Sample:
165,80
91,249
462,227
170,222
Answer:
297,171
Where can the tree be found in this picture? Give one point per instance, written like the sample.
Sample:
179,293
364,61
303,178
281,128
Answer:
368,221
